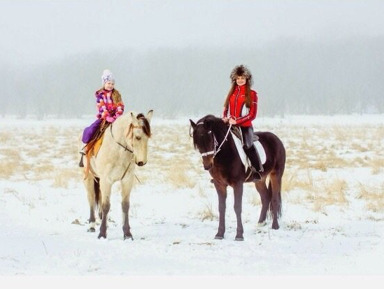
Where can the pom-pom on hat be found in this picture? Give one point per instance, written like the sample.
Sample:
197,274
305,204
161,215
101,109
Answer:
241,70
107,76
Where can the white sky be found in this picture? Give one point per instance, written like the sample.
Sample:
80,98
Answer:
36,31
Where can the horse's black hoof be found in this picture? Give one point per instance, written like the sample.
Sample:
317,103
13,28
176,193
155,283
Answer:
102,236
219,237
92,230
239,239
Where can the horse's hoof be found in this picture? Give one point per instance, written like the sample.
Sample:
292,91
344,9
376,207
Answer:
128,237
219,237
239,239
262,224
102,236
92,230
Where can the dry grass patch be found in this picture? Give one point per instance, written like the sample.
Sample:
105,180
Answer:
11,162
377,165
207,213
327,194
5,137
8,168
62,177
179,176
373,196
292,181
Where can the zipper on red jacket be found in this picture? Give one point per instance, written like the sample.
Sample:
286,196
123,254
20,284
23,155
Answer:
236,97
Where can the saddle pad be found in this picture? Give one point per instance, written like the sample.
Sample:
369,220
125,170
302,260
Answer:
242,154
92,148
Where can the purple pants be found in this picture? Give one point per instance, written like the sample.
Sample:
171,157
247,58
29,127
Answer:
90,131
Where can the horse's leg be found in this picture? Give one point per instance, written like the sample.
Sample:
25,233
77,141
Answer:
275,189
105,189
91,195
265,197
222,197
125,204
238,205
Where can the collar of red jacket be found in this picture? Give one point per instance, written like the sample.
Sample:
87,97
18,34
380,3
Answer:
241,88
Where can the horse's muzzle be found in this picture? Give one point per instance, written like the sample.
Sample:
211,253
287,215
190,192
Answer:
207,162
140,164
207,166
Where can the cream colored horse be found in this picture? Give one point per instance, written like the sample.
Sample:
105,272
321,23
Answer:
125,145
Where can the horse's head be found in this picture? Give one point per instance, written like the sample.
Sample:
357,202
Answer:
204,139
137,136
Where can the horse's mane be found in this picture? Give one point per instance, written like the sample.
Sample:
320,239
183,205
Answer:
214,123
146,125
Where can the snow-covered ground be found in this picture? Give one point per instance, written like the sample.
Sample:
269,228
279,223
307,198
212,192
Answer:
332,224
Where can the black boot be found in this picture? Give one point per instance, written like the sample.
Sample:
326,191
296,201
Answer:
257,167
81,164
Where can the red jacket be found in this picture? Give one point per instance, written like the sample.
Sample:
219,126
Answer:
238,110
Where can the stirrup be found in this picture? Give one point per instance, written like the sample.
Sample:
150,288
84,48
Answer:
81,164
255,175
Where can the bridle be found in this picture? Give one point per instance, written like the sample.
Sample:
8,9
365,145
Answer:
126,148
216,148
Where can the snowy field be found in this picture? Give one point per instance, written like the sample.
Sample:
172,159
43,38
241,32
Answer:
332,224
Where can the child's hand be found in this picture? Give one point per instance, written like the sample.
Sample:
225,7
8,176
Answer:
110,119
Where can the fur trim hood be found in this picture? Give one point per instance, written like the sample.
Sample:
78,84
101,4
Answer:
241,70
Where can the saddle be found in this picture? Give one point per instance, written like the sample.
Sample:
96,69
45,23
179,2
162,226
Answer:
93,146
237,137
237,132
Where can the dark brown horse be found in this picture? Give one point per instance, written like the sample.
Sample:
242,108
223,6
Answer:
221,158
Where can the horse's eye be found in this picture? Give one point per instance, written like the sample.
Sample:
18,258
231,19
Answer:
138,138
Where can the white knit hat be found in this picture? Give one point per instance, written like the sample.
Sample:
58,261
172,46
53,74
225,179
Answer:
107,76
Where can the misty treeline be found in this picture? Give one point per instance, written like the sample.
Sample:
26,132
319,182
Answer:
291,77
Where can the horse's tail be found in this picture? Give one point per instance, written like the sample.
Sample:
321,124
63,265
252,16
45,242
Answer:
96,186
279,205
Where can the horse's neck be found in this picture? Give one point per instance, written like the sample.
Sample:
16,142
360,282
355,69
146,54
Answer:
224,140
118,128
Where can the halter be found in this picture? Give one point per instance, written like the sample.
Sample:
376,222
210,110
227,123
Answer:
215,151
126,148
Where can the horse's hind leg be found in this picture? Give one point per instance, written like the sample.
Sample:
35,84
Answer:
105,189
265,197
93,190
125,204
275,189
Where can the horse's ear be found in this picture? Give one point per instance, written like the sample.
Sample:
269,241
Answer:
133,118
192,127
192,123
149,115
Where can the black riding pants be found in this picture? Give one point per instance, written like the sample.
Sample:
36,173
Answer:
247,133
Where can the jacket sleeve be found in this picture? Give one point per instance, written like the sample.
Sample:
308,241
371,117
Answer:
252,110
225,112
101,107
119,109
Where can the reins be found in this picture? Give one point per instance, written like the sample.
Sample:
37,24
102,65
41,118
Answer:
225,138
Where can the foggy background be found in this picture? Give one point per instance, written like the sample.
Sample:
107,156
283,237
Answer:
175,56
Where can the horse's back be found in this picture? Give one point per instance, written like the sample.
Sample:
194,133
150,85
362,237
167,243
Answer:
273,146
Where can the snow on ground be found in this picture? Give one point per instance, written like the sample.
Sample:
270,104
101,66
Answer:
44,215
